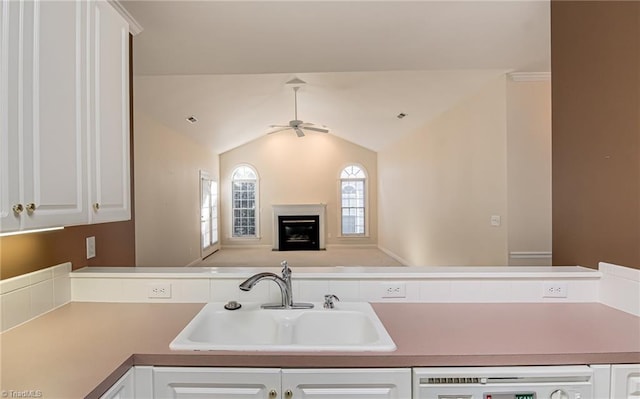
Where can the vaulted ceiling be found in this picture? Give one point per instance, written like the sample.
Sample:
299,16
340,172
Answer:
364,62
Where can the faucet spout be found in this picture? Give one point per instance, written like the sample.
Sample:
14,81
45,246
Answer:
285,291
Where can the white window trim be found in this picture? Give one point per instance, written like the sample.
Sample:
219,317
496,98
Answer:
258,209
366,203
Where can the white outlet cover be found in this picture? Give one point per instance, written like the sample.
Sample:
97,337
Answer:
91,247
555,290
393,290
159,290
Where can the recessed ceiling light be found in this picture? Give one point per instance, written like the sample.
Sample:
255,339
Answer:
192,119
401,115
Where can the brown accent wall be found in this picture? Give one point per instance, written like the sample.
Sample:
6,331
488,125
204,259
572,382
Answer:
30,252
595,53
115,242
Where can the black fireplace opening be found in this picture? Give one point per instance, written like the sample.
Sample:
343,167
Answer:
299,233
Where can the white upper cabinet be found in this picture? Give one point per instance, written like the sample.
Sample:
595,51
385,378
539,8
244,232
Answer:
109,139
44,162
64,114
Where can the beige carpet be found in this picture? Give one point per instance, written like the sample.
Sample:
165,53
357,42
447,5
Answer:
265,257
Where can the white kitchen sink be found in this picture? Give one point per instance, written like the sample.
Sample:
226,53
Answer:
351,326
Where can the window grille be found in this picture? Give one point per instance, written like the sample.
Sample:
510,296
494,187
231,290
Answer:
244,182
353,201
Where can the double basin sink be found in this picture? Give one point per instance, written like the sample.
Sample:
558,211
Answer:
351,326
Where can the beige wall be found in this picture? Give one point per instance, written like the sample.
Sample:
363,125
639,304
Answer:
529,170
296,170
439,186
167,203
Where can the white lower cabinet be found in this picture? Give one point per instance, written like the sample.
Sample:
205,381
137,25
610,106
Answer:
124,388
619,381
392,383
625,381
215,383
245,383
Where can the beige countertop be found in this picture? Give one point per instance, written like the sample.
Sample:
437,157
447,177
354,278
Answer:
81,349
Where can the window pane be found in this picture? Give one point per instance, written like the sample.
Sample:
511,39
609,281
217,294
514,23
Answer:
244,187
353,202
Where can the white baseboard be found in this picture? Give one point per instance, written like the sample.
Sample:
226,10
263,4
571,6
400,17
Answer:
246,246
530,255
356,245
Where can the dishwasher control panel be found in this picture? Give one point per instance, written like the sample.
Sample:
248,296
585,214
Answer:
533,382
510,395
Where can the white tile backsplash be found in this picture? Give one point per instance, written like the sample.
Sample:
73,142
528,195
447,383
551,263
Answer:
620,288
435,291
15,283
30,295
61,290
212,289
310,290
346,290
16,308
41,297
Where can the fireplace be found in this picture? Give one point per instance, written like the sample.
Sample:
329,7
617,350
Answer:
299,233
303,220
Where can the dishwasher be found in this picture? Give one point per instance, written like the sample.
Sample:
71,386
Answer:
533,382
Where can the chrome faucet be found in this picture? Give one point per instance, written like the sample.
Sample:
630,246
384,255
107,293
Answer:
284,283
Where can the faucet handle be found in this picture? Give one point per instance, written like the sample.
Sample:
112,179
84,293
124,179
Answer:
328,301
286,270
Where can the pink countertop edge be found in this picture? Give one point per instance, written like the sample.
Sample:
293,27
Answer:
81,349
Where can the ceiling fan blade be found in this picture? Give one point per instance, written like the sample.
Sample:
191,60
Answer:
279,130
316,129
299,132
279,126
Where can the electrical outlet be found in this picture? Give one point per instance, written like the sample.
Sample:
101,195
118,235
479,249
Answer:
91,247
393,290
555,290
159,290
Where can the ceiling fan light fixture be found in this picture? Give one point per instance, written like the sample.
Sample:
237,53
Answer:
297,125
296,82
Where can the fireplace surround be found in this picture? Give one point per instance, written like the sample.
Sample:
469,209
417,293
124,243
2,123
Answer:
299,212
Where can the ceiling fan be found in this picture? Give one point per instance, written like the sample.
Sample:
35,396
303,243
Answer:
297,125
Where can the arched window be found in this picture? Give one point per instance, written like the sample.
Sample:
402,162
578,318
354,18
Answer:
244,197
353,201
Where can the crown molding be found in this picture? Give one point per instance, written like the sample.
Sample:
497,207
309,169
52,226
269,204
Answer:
134,27
530,76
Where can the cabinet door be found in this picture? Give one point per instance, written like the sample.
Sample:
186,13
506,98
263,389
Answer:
346,383
625,381
215,383
43,135
10,42
53,137
109,138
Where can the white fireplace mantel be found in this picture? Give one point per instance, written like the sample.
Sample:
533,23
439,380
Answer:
299,210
